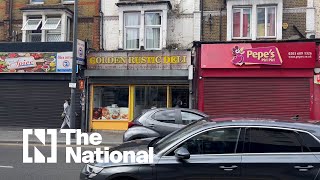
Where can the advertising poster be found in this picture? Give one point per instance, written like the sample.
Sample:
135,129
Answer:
36,62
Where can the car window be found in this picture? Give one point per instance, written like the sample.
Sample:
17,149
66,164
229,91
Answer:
167,116
310,142
265,140
219,141
188,117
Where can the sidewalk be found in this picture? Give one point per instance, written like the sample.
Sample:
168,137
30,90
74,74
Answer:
15,136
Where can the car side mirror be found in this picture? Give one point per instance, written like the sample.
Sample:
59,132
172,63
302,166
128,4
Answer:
182,153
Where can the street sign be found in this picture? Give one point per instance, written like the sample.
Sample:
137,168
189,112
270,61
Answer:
81,52
317,79
72,85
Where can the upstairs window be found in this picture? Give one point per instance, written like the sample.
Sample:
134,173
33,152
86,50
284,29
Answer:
266,25
33,27
254,20
133,30
152,30
36,29
241,26
53,29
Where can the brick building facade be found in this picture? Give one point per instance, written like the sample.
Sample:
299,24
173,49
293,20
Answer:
294,18
12,23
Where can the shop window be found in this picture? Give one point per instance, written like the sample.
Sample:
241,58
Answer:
111,103
179,96
147,97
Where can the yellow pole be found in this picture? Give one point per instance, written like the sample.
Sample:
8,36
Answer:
131,101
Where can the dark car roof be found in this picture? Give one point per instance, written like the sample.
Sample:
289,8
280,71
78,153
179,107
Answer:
270,122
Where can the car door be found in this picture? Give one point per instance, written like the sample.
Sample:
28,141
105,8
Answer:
164,121
273,153
212,156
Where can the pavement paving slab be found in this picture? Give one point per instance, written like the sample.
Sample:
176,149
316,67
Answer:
15,135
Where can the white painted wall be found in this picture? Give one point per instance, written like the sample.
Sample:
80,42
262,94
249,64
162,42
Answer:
317,19
182,29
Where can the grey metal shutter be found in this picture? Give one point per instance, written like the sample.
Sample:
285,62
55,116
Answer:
35,104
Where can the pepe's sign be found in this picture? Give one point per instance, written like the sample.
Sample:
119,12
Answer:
261,55
140,60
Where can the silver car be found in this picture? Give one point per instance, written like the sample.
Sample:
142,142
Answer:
160,122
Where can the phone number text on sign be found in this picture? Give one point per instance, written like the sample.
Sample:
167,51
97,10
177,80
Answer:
299,55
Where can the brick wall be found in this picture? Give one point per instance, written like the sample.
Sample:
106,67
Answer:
297,19
89,20
317,6
295,3
211,32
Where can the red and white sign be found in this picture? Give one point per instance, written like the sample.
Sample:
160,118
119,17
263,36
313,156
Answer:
21,62
259,55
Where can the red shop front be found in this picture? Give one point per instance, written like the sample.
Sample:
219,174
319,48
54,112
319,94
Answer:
257,78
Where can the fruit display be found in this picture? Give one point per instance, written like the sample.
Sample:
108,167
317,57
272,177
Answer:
21,62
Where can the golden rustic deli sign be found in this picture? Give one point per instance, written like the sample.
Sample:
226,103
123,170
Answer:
142,60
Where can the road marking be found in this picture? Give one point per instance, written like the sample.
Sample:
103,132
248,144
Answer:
9,167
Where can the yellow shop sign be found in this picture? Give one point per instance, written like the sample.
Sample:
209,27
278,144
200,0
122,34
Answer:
139,60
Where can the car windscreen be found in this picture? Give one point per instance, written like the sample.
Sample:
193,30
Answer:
167,140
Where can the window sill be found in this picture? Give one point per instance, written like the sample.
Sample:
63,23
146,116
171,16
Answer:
36,3
68,3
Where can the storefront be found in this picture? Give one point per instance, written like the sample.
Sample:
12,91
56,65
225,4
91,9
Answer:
122,85
34,84
257,78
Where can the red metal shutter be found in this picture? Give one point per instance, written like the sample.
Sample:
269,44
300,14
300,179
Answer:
268,96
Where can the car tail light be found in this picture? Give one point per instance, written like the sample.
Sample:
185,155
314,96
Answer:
131,124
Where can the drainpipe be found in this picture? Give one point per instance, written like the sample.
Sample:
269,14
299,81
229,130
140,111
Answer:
10,19
201,9
220,26
101,28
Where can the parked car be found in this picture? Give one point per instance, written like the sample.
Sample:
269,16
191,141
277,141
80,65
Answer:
160,122
225,149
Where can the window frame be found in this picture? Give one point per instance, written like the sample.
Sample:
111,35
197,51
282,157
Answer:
32,2
280,128
24,28
131,27
163,153
186,138
188,112
67,1
295,133
165,110
152,26
266,21
241,22
142,29
43,18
